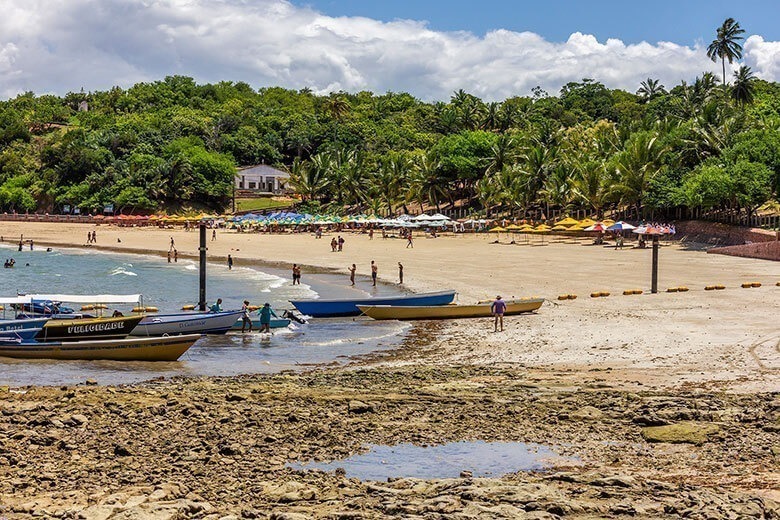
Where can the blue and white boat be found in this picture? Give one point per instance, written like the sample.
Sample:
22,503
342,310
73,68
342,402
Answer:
19,336
13,321
348,307
186,323
22,324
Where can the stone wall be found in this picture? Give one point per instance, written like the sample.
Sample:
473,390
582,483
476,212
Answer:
716,234
762,250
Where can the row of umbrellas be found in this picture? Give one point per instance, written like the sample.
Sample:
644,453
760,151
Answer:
570,224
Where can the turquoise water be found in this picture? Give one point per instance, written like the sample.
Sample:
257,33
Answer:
168,287
482,459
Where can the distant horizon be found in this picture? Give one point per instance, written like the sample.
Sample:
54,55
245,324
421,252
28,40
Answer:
333,45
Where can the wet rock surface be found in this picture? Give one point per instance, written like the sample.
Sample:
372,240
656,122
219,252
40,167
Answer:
217,448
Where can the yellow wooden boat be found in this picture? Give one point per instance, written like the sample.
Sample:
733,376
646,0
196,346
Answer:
167,348
447,312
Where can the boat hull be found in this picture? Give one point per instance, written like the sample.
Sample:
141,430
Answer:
276,323
34,323
199,323
88,329
338,308
132,349
447,312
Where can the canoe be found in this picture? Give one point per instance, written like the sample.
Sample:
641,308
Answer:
169,348
276,323
186,323
88,329
445,312
35,323
337,308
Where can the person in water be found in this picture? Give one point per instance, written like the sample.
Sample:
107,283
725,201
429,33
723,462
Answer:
265,317
245,318
497,309
230,262
217,307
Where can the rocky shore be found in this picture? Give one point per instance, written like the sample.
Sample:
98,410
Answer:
218,448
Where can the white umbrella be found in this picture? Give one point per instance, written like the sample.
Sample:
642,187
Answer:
423,218
439,216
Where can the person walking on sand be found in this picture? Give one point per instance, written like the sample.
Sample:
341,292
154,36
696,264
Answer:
245,318
497,309
409,242
352,274
89,237
94,237
172,244
213,235
230,262
374,270
400,273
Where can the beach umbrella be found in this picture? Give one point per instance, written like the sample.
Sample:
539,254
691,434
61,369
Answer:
621,226
559,227
586,222
607,222
567,222
598,226
542,228
497,229
514,227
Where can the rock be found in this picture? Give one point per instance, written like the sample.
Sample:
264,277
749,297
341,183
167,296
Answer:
466,474
684,432
587,413
617,480
91,382
121,451
288,516
77,420
234,398
358,407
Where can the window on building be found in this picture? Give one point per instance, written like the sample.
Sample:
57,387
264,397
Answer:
252,185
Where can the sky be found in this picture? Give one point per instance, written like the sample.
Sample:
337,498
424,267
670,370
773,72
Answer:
491,48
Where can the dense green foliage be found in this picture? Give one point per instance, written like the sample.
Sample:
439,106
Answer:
174,143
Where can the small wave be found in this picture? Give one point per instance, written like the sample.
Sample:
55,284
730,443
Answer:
122,270
191,267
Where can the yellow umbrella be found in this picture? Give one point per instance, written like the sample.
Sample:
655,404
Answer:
607,222
526,227
568,221
497,229
586,222
559,227
514,227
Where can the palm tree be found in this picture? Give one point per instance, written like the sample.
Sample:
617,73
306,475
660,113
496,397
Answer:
742,90
427,182
338,106
726,44
637,165
310,179
650,88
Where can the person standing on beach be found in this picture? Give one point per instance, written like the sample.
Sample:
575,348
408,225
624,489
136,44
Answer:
213,235
371,234
374,270
245,318
333,245
400,273
296,274
230,263
176,255
341,243
169,256
172,244
409,242
352,274
31,245
94,237
497,309
89,237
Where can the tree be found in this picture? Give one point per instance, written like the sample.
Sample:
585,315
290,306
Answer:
636,166
650,88
742,89
726,44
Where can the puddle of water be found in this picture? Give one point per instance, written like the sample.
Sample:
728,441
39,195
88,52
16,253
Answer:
482,459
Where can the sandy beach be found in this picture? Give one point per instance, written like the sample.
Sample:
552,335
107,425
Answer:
722,339
660,405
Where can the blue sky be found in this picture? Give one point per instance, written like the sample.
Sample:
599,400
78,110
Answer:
680,21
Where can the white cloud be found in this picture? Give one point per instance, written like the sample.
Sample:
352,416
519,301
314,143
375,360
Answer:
63,45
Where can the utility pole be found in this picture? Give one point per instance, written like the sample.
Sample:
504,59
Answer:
202,249
654,286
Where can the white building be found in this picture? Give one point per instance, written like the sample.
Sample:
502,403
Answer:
262,178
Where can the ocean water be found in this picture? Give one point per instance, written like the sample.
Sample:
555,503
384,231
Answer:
169,287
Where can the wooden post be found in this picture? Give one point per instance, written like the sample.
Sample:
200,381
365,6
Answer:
202,249
654,286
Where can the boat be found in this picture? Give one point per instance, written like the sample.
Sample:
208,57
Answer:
349,307
169,348
443,312
88,328
19,335
186,323
276,323
20,324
